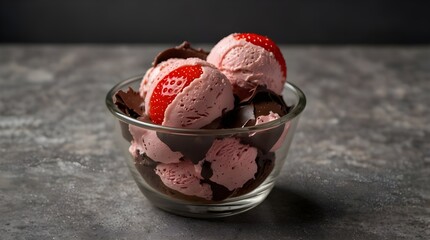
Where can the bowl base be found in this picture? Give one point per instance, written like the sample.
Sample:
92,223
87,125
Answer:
225,208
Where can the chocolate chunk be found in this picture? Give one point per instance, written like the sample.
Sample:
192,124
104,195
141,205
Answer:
247,92
266,100
206,170
145,165
192,147
240,117
182,51
219,192
130,103
260,103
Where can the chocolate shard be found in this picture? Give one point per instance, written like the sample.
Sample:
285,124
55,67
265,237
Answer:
266,101
145,165
260,103
219,192
192,147
182,51
207,171
129,102
241,116
246,93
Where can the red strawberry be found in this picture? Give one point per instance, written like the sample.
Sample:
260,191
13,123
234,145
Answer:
267,44
169,87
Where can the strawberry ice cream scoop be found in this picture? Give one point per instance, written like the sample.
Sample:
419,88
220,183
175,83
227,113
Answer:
249,60
156,73
183,178
188,93
146,142
164,59
150,77
232,163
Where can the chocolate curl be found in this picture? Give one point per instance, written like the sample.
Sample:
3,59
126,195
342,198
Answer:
183,51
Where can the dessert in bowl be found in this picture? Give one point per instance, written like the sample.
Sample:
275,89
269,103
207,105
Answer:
206,134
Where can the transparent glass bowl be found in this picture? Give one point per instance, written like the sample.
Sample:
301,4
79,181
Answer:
209,198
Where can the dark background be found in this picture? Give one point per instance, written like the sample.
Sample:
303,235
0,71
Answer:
163,21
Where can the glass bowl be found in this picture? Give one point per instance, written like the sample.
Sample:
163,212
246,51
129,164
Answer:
205,173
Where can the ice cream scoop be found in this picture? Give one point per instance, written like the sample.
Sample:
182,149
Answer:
190,93
182,177
249,60
164,59
232,163
146,142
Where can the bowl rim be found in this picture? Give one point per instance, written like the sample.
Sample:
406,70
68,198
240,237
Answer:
294,112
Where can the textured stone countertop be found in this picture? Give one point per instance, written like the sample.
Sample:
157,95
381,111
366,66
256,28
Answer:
359,166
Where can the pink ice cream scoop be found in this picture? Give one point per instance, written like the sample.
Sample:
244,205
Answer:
146,142
148,78
232,162
156,73
165,59
248,60
188,93
183,178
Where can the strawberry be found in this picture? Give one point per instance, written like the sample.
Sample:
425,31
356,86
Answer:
267,44
169,87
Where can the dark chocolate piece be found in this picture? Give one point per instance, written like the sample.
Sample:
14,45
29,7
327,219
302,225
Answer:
182,51
130,103
261,103
192,147
267,101
241,116
245,93
219,192
206,170
146,167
